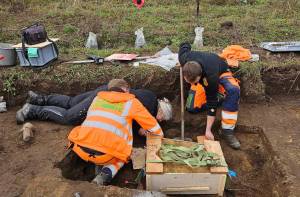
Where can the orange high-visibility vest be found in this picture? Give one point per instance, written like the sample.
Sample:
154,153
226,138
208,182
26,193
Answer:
200,97
108,125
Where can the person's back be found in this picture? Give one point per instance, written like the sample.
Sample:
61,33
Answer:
214,75
107,127
106,133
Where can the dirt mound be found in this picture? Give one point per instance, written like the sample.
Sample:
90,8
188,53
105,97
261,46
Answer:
54,186
282,80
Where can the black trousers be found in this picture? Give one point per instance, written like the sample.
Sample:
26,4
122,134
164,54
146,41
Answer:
64,109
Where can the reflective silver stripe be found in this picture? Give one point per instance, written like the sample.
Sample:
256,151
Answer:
112,169
105,126
154,128
109,115
130,142
129,128
120,164
229,116
127,108
130,133
227,126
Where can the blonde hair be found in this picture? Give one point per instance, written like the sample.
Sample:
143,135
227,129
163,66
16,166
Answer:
117,83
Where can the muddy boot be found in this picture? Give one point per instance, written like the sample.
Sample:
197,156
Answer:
23,113
231,140
104,177
36,99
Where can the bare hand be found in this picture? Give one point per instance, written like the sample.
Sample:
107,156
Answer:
209,135
142,132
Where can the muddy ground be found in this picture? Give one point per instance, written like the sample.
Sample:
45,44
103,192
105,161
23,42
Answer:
267,164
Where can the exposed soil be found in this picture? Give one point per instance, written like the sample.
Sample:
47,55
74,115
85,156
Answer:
71,81
282,81
25,163
263,169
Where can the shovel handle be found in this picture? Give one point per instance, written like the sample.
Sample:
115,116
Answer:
182,103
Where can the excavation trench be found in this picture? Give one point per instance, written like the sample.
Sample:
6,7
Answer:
257,171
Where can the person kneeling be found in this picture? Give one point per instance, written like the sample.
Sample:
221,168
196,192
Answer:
105,137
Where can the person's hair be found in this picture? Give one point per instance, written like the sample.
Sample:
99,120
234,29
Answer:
117,84
191,70
166,108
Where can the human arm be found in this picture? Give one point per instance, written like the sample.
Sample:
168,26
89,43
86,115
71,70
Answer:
149,101
209,123
184,50
141,115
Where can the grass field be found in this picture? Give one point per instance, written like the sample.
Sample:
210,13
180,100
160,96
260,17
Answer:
165,22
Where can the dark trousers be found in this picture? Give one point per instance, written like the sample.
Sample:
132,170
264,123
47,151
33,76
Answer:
64,109
74,168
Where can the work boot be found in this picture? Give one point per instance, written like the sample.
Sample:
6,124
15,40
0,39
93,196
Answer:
22,114
35,99
231,140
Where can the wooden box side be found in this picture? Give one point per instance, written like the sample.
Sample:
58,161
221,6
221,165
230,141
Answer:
214,147
189,183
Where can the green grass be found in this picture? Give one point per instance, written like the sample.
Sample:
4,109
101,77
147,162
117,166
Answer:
164,21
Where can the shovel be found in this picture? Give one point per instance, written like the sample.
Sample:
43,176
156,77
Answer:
182,103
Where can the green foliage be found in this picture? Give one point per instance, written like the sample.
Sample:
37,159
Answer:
9,85
164,22
69,29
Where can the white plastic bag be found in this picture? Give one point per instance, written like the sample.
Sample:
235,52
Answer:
92,41
140,39
198,42
3,107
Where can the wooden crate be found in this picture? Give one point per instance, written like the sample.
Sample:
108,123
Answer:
172,178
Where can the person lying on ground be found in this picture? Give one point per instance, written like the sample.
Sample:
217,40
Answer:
211,74
105,137
69,110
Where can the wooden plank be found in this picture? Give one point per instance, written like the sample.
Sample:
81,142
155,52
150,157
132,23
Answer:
222,185
153,146
182,168
184,189
178,142
214,147
138,158
40,45
163,182
200,139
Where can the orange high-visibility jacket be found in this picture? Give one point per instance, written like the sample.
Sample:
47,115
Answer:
108,125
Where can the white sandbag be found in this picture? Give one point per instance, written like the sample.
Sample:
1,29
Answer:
3,107
140,39
91,42
198,42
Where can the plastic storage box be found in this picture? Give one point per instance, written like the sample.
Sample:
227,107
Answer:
8,55
45,54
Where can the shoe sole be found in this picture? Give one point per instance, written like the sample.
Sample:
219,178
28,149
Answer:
20,117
